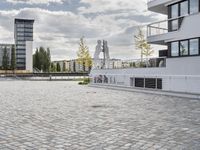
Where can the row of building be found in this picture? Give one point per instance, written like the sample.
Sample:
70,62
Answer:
71,66
74,66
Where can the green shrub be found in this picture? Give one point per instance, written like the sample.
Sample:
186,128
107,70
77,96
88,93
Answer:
84,82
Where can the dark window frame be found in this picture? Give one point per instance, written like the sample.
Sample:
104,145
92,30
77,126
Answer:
179,14
198,46
189,7
188,47
170,48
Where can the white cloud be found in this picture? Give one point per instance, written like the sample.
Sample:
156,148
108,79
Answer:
102,19
35,1
102,6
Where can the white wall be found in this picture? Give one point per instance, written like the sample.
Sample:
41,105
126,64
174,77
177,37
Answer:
180,74
29,57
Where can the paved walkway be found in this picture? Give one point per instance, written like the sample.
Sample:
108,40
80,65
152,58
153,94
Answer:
64,115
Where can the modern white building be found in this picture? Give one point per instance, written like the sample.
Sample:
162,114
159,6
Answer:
24,44
177,69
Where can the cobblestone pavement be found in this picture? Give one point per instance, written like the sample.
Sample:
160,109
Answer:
64,115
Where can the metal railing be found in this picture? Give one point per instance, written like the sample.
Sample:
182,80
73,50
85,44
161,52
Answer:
162,27
136,63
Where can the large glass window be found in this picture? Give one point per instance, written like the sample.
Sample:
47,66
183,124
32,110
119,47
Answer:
174,25
194,47
175,49
194,6
184,48
184,8
20,29
174,11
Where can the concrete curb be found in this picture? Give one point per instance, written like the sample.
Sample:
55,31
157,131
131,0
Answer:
148,91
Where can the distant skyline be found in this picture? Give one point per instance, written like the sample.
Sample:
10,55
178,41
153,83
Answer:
59,24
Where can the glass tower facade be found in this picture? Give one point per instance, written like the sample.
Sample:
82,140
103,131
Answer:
23,34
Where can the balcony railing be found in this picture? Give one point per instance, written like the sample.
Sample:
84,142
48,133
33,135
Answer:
136,63
164,26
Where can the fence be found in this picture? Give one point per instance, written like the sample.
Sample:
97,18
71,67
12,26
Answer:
136,63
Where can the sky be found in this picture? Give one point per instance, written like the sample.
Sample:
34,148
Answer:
59,24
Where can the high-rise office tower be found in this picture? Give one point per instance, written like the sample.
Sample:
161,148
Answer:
24,44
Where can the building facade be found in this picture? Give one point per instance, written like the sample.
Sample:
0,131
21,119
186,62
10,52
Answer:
178,69
71,66
23,34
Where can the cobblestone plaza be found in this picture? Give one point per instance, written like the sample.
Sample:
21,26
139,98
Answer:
65,115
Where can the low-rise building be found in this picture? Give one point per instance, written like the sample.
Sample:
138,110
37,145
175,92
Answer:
9,51
71,66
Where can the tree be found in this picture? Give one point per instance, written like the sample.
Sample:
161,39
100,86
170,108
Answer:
53,67
48,59
42,59
5,60
142,44
58,68
13,58
64,67
84,58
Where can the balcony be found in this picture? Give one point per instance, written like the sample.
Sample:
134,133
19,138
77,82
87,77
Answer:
157,28
159,32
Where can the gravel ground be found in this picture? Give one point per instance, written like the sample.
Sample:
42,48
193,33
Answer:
65,115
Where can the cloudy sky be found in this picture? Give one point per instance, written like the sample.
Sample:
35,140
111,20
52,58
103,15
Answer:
59,24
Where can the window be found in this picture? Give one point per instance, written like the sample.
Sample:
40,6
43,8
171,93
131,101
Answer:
174,25
150,83
194,46
28,34
21,56
174,49
159,83
188,47
28,26
29,38
174,11
194,6
139,82
28,30
22,60
184,8
20,34
20,25
153,83
21,42
20,29
20,38
184,48
20,47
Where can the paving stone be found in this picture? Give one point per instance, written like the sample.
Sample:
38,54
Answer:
65,115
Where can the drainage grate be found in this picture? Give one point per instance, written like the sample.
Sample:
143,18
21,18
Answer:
159,83
150,83
139,82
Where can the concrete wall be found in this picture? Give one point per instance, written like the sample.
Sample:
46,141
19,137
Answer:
29,56
180,74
